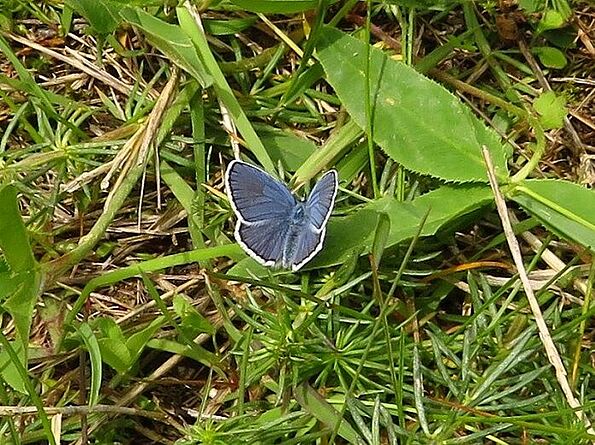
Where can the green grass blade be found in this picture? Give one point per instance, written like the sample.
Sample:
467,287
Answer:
223,90
318,407
171,40
276,6
95,357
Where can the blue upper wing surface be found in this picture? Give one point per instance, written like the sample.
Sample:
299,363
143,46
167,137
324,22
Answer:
255,195
308,244
319,204
264,241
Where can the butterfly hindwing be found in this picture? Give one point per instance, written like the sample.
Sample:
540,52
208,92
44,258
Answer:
308,244
263,241
255,195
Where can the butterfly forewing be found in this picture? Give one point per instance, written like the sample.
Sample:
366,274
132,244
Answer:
321,200
256,195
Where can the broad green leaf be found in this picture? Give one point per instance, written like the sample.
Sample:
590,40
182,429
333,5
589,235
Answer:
415,121
551,19
444,204
564,38
115,354
137,341
565,208
192,322
102,15
550,57
276,6
95,358
171,40
354,234
551,109
110,329
14,242
113,347
24,277
8,284
315,405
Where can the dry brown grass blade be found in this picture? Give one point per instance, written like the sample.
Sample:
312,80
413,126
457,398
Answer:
86,68
544,334
72,410
165,297
135,152
549,257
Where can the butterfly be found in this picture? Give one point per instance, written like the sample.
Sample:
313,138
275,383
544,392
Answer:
274,227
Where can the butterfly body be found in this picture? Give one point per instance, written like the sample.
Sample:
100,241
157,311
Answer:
273,226
298,222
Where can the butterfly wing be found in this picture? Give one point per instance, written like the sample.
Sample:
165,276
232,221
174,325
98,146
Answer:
263,241
264,207
308,244
255,195
319,206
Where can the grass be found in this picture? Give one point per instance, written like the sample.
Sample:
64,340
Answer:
142,319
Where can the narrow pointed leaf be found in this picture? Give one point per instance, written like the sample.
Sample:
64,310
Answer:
565,208
24,277
317,406
95,358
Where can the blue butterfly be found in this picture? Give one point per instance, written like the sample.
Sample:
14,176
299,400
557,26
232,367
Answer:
274,227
